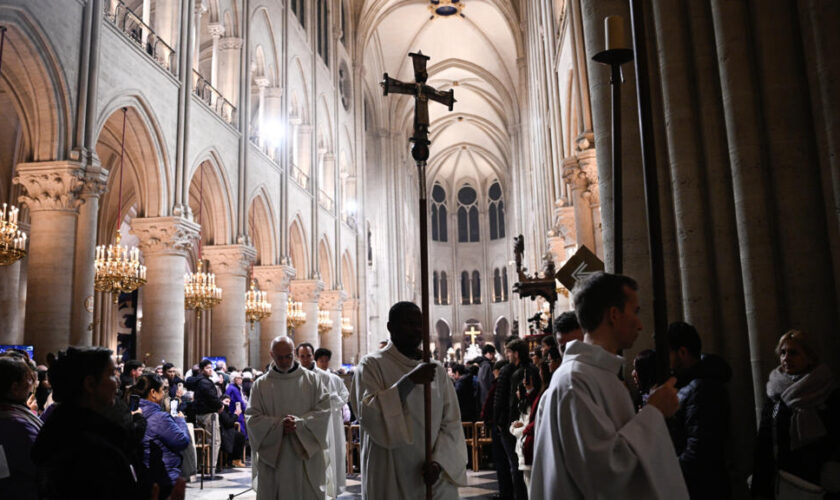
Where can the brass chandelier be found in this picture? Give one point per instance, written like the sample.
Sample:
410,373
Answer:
346,327
117,269
295,315
257,306
325,323
12,240
200,290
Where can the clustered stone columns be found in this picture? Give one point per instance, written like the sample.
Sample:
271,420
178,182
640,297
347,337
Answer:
52,190
230,263
164,242
275,281
331,300
307,292
228,68
580,171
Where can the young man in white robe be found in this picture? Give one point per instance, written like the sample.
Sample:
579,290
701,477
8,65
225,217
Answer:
589,441
387,395
339,395
288,422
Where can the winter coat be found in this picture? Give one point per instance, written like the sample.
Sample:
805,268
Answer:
80,453
206,399
166,436
501,399
700,427
487,407
485,379
466,391
18,429
236,396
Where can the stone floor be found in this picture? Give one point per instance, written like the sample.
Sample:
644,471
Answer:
236,484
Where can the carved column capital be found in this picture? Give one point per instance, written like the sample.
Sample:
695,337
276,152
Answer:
331,300
51,185
306,290
217,30
230,43
230,259
94,181
172,235
276,278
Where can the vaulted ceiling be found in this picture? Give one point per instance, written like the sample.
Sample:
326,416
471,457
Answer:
475,54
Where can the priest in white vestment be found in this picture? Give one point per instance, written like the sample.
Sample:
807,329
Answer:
589,441
339,395
387,395
288,422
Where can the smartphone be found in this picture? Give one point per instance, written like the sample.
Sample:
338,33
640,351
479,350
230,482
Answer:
173,407
239,406
133,402
180,386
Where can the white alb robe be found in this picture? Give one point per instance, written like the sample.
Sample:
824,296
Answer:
393,449
339,395
589,441
292,465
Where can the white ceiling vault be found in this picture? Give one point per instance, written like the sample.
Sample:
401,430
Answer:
476,55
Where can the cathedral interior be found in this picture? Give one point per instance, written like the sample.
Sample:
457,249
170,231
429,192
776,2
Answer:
251,139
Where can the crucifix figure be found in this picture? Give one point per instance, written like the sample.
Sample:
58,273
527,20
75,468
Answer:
472,333
420,152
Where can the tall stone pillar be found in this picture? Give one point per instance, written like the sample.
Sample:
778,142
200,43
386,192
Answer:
230,263
304,151
274,280
350,342
580,171
332,300
81,327
230,49
9,304
164,242
200,9
52,190
216,32
307,292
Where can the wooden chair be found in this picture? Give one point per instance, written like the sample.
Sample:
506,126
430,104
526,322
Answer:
469,436
483,438
202,452
354,442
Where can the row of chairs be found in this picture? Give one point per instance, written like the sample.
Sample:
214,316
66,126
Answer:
477,436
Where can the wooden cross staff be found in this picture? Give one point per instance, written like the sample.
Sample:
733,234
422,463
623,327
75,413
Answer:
420,152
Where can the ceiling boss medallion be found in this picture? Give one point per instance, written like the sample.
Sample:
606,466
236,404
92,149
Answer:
446,8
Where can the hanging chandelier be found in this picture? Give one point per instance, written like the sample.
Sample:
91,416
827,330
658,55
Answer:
325,323
200,290
117,269
346,327
12,240
295,315
257,306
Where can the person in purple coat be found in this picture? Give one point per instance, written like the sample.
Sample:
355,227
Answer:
19,426
234,391
166,436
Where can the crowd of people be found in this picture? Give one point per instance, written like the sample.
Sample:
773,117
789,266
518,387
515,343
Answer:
563,421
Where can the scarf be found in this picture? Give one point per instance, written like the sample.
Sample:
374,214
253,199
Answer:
803,394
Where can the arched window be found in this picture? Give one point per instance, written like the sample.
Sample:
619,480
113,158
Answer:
496,211
323,31
467,215
444,289
476,288
497,285
465,288
437,290
299,8
504,285
439,213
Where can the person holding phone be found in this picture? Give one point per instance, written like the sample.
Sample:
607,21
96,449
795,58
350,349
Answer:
237,405
166,436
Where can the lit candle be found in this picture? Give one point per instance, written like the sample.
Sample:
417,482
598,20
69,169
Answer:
614,33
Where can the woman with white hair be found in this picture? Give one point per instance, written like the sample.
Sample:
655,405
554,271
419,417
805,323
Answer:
238,405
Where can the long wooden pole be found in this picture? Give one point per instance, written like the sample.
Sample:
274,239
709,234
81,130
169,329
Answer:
424,304
657,265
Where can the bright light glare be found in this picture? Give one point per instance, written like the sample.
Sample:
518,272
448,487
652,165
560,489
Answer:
273,133
352,206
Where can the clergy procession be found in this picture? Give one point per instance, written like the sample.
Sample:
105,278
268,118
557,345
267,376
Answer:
419,249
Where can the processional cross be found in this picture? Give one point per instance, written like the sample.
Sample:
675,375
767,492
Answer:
420,152
472,333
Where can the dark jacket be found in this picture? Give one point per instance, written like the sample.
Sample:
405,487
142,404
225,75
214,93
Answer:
173,386
467,401
82,454
19,428
206,398
700,427
487,407
517,379
165,438
485,379
501,399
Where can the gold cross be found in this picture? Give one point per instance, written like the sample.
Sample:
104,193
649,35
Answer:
473,333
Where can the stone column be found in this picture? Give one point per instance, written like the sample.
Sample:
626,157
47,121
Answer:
304,150
81,326
274,280
231,264
331,300
262,83
216,31
580,171
349,343
230,49
200,8
307,292
10,305
164,242
52,190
